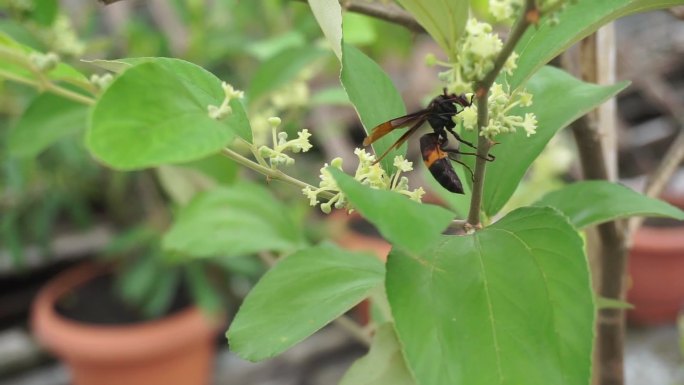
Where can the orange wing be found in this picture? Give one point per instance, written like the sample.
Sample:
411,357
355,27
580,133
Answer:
384,128
401,140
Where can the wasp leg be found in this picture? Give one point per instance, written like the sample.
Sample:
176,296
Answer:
453,156
458,138
489,158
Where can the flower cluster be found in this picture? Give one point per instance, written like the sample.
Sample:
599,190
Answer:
500,121
286,98
276,155
101,81
476,52
368,173
44,62
220,112
505,10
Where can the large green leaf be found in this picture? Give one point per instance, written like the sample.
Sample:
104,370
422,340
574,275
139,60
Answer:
156,113
48,119
403,222
300,295
541,44
592,202
511,304
374,97
242,219
559,99
444,20
383,365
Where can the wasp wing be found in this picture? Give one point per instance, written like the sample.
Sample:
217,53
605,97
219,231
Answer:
384,128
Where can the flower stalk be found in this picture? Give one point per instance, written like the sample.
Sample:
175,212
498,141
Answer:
530,15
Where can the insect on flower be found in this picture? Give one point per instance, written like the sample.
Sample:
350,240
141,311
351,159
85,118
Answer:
433,146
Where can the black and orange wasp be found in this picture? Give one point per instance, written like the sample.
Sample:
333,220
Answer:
433,146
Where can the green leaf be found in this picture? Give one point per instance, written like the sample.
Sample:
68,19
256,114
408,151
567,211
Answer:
459,203
383,365
156,113
589,203
299,295
609,303
510,304
281,69
242,219
559,99
330,96
202,291
374,97
328,14
48,119
183,183
541,44
271,46
444,20
45,11
401,221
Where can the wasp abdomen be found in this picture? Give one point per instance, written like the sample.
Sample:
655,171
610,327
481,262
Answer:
437,161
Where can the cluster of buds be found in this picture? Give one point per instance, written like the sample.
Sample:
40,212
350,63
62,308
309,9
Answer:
475,56
44,62
101,81
220,112
508,10
368,173
500,104
276,155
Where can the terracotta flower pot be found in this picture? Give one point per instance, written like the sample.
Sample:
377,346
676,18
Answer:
178,349
656,267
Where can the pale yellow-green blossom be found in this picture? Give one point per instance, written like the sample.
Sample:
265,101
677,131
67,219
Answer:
501,120
276,155
368,173
223,110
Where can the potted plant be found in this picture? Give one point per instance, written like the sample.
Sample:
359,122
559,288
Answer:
163,283
656,267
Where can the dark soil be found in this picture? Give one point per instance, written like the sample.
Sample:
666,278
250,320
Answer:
97,302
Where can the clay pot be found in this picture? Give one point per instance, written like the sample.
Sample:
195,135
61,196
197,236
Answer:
656,267
178,349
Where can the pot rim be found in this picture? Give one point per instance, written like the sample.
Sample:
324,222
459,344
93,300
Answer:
127,342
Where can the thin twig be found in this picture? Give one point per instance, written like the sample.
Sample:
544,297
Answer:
530,15
271,173
387,12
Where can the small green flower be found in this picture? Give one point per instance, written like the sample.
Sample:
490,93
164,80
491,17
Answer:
220,112
501,121
44,62
367,173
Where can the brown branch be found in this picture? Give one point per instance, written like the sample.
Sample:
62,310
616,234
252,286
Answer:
612,256
530,15
387,12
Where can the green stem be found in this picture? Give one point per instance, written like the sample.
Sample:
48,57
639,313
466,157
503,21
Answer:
270,173
43,83
530,14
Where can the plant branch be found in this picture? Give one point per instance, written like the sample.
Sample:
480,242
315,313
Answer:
42,83
530,15
387,12
270,173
